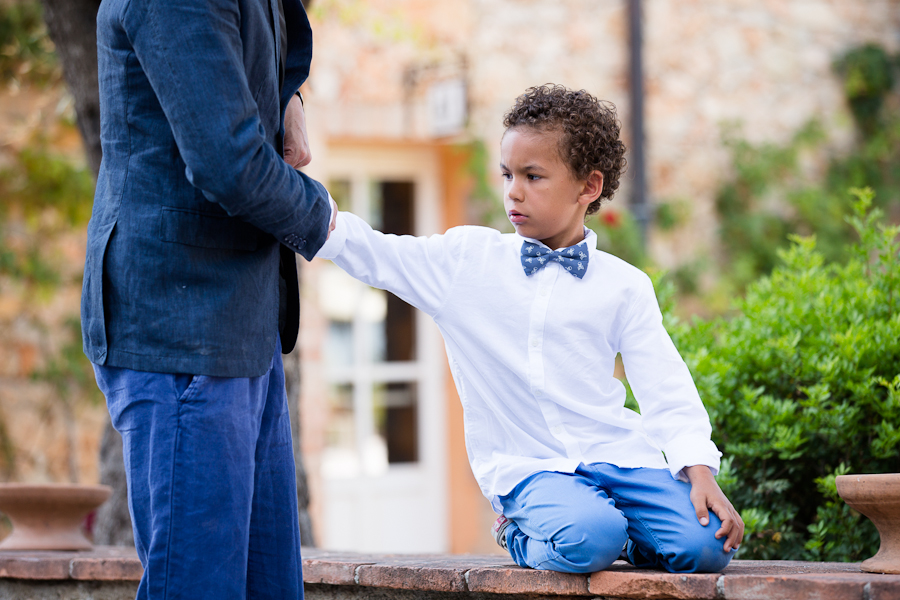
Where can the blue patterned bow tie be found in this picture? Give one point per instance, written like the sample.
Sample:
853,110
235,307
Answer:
574,259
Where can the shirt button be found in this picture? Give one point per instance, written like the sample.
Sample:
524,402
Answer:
556,430
534,343
537,393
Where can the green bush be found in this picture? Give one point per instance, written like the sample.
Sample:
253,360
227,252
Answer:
868,75
803,384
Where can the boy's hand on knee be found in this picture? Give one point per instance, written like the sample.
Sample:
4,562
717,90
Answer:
705,496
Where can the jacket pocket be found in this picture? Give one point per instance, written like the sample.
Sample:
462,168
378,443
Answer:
205,230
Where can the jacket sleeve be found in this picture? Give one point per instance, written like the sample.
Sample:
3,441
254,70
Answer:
419,270
671,410
191,53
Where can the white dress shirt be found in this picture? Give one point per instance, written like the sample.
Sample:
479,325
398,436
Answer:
533,356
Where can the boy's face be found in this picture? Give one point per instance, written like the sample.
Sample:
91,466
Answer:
543,199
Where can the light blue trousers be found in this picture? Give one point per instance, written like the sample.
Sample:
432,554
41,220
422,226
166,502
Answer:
579,522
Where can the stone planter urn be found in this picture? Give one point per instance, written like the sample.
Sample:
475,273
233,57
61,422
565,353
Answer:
48,516
878,498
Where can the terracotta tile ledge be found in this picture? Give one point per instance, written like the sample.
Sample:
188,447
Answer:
496,576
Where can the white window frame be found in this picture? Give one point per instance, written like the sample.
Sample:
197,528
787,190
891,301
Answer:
405,492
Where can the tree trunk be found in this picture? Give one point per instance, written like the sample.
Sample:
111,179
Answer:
292,385
72,25
112,527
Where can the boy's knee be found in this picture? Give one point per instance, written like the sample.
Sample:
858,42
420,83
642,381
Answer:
704,554
593,544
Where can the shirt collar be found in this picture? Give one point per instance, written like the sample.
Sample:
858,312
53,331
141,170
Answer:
589,236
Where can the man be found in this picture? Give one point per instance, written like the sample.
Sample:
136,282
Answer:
190,289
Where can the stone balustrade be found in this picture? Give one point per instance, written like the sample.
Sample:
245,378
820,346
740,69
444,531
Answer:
107,573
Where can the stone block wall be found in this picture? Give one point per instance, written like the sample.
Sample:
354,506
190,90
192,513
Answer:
765,64
113,574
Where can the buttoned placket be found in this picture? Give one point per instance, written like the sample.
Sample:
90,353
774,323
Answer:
546,280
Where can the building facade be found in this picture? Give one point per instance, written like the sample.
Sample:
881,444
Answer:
405,103
402,95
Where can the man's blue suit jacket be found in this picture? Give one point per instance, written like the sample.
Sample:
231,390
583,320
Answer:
190,263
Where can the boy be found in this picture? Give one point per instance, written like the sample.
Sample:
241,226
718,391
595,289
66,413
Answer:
532,323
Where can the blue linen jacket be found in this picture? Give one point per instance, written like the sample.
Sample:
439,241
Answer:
190,261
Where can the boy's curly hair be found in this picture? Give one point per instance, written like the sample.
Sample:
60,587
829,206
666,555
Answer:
589,127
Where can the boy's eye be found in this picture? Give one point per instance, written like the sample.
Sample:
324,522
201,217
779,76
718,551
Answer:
506,175
534,177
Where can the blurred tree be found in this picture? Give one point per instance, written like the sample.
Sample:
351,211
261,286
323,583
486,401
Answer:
72,25
43,198
72,28
27,53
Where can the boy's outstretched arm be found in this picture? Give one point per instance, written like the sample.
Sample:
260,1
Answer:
705,495
418,270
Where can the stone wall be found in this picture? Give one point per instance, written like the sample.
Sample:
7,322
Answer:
112,574
766,64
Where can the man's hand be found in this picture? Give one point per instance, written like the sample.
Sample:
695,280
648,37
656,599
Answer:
706,495
296,143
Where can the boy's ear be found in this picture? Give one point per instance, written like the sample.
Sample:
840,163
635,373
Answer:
593,187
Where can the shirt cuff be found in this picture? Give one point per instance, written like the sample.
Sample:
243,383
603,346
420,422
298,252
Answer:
335,242
688,451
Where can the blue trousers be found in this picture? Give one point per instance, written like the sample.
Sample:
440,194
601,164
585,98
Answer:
211,482
579,522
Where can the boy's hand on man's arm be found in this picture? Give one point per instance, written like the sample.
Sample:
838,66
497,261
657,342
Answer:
334,212
706,495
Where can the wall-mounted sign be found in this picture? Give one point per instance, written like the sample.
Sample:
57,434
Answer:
447,107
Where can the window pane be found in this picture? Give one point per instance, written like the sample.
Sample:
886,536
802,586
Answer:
376,213
377,341
339,344
340,191
372,424
399,330
396,418
339,296
340,457
341,429
397,202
